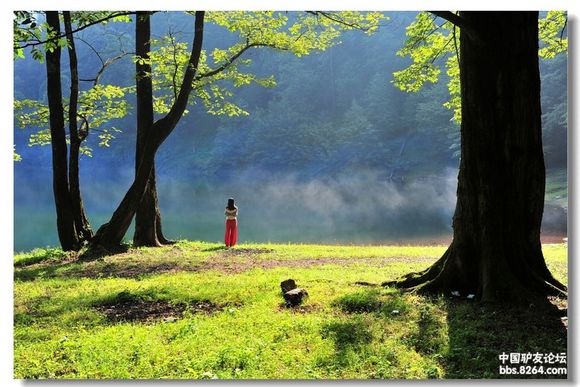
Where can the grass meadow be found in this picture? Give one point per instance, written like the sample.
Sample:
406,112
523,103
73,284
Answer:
194,310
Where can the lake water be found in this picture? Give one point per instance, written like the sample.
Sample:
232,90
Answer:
357,209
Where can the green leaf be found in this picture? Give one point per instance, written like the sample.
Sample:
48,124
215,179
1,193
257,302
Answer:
17,157
551,31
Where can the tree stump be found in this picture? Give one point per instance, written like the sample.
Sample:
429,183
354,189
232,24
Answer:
288,285
293,295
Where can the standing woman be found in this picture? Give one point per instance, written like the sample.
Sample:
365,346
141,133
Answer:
231,223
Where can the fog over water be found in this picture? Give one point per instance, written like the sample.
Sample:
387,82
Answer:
360,208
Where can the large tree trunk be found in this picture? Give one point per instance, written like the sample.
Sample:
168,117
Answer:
148,225
112,233
148,216
83,228
64,213
496,252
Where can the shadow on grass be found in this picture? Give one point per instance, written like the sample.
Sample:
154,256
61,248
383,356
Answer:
371,301
51,263
37,256
215,248
145,306
464,337
139,306
347,334
98,269
90,264
350,337
97,252
352,334
45,271
430,337
479,334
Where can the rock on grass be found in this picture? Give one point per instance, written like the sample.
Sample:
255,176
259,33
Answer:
293,295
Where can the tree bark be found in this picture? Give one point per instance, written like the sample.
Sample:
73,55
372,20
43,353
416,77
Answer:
496,251
82,226
64,213
148,230
112,233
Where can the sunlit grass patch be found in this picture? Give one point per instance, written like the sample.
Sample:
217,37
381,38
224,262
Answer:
344,330
40,255
556,255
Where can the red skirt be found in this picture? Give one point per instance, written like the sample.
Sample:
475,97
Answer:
231,236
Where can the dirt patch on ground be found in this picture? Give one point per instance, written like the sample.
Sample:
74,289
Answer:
233,262
123,270
224,264
136,309
554,239
244,251
206,307
142,310
302,309
235,267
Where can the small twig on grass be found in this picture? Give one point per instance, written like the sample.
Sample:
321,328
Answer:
364,283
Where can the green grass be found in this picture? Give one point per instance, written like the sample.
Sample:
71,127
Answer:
344,330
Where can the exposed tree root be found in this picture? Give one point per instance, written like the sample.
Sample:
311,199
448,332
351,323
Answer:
411,281
520,285
95,251
160,236
365,283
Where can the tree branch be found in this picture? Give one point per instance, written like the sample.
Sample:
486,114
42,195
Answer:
169,121
59,36
455,43
460,22
74,80
107,63
563,28
423,38
93,49
451,17
175,64
104,63
330,16
436,56
84,128
232,59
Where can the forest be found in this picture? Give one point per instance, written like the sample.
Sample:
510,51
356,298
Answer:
349,144
290,195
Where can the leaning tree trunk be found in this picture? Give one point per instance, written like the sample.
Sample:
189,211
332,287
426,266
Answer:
496,251
62,199
148,216
111,234
83,228
148,226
